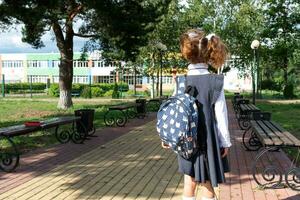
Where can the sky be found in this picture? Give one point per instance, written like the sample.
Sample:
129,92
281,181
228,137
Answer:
11,42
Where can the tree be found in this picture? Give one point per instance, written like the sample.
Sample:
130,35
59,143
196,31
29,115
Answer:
101,20
282,35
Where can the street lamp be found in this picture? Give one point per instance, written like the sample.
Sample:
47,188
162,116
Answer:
161,47
255,72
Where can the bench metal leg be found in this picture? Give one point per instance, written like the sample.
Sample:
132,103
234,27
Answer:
251,141
9,155
79,132
62,136
292,175
130,113
244,121
265,171
119,119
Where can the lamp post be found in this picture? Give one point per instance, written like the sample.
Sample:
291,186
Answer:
161,47
255,71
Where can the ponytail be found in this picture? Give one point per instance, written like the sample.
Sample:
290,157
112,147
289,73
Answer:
216,50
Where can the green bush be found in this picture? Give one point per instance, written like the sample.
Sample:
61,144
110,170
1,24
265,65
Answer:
145,93
21,87
54,90
108,93
115,93
124,87
288,91
97,92
85,93
104,86
271,85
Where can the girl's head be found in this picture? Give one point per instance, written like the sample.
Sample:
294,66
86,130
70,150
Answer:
197,47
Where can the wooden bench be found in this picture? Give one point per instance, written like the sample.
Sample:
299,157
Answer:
126,111
245,114
236,97
154,103
10,155
266,168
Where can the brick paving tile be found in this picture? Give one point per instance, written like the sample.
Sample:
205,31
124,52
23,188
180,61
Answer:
118,166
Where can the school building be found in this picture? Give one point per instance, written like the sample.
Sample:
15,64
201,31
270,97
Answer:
41,67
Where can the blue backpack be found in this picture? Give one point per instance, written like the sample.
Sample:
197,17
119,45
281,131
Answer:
177,120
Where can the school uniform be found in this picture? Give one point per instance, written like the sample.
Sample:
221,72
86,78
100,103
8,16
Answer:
213,132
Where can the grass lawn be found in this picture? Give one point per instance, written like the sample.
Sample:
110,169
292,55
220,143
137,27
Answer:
18,111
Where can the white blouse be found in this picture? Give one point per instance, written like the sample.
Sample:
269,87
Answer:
220,106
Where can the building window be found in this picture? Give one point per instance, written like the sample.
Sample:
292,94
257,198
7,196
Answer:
78,63
12,63
98,63
37,79
55,63
130,79
81,79
37,63
106,79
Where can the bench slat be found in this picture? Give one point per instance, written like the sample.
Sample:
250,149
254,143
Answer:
270,133
123,107
253,107
280,134
261,134
287,134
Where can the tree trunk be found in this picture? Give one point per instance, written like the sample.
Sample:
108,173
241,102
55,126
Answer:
65,46
65,84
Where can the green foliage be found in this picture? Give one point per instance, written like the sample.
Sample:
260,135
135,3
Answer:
124,87
86,91
97,92
24,87
144,93
115,94
54,90
98,89
271,85
123,40
108,93
288,91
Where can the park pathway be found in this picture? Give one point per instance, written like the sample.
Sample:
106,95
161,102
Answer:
128,165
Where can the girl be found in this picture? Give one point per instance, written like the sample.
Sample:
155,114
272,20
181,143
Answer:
207,167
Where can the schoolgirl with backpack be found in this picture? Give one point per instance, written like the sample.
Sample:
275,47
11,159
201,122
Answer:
194,122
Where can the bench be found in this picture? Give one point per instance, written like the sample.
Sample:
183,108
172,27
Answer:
10,155
154,103
267,170
245,113
126,111
75,94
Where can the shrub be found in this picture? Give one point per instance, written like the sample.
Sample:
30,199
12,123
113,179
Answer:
54,90
271,85
97,92
288,91
115,93
124,87
85,93
108,93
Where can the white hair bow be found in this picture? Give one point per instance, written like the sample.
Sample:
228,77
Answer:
209,36
192,34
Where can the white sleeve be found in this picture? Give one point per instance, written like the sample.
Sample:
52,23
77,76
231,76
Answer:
174,87
222,121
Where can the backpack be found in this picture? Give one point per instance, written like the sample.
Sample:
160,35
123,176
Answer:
177,120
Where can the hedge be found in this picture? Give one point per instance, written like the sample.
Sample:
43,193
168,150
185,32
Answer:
23,87
98,89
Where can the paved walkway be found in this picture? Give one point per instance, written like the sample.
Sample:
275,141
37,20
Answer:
131,166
